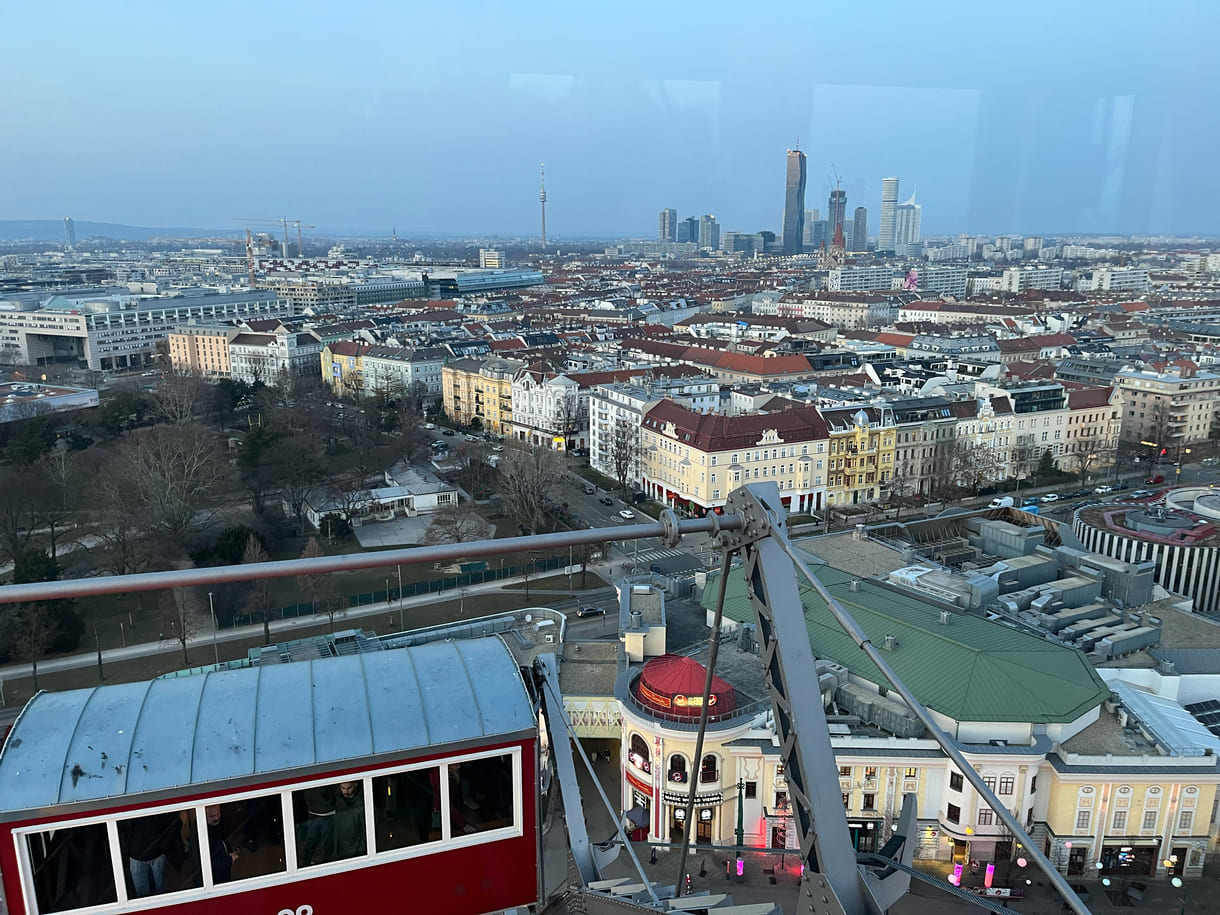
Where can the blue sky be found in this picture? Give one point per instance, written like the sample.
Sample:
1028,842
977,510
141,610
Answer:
1034,117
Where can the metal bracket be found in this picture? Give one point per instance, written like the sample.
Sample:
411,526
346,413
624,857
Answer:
759,516
669,522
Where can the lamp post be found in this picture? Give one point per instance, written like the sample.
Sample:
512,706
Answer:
741,824
401,627
212,610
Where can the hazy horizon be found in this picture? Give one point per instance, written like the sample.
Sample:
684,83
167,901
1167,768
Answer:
435,120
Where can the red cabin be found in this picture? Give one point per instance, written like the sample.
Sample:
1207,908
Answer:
405,777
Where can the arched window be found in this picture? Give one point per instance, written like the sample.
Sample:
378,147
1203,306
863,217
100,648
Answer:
641,756
677,769
710,770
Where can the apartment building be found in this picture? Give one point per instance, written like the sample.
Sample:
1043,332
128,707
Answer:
202,350
616,414
860,453
846,310
482,390
394,370
343,367
270,357
1172,405
692,461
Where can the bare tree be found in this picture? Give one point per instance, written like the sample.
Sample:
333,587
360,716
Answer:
457,522
297,465
319,586
625,454
974,465
1025,457
29,630
180,397
258,600
527,480
173,474
174,605
1089,450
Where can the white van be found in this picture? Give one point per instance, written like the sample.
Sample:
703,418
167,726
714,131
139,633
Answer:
1001,502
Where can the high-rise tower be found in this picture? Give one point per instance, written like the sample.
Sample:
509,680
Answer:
667,226
859,230
907,217
889,203
794,203
837,208
542,199
69,233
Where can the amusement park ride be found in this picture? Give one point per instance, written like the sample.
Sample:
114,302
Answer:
422,767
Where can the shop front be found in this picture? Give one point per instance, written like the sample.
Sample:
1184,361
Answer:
865,835
1130,857
705,816
640,794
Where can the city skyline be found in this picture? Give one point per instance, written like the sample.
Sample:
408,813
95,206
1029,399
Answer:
1020,129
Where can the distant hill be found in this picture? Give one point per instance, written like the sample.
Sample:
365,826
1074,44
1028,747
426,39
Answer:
52,230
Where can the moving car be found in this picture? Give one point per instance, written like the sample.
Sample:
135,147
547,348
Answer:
1001,502
1050,497
590,611
606,500
1103,490
589,490
1142,494
448,432
626,514
1155,478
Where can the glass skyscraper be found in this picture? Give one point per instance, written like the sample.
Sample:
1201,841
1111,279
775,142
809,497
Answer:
794,203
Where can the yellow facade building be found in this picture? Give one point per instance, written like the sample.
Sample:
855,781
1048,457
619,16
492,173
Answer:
343,367
860,454
480,389
202,350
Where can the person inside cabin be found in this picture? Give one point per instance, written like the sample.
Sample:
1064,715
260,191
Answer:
316,834
145,841
349,821
223,855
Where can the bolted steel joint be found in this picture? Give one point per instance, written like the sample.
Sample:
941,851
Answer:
669,522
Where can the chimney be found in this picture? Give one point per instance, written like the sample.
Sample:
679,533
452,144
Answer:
890,643
854,585
944,617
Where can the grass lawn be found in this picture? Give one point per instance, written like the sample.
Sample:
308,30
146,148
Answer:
598,479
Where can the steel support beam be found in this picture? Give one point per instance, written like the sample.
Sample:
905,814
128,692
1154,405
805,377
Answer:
668,528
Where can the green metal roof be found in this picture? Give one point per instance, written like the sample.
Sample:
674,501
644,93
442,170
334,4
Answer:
972,669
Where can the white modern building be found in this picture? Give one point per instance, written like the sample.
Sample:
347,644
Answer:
108,329
397,369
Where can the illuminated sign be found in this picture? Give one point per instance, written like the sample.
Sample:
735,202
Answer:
693,701
655,698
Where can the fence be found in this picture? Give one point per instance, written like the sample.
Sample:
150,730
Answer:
411,589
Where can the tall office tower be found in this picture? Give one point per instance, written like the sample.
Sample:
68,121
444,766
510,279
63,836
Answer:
542,198
794,203
709,233
69,233
820,237
688,230
837,211
859,230
811,216
667,227
889,203
906,223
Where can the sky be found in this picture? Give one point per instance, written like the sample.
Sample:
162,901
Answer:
1038,117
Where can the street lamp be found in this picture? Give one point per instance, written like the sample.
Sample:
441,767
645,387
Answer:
212,610
741,825
400,624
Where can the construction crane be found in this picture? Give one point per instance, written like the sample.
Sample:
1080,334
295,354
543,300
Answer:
754,528
300,246
283,223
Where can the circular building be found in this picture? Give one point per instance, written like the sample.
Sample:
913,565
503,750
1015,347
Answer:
1181,536
672,685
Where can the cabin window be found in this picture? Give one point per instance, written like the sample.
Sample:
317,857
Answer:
480,795
71,868
407,808
329,823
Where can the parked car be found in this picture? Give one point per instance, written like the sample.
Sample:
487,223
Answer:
429,425
1155,478
606,500
439,444
626,514
1049,497
591,611
1121,484
589,490
1103,490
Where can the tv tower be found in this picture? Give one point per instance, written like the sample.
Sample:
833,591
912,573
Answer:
542,200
